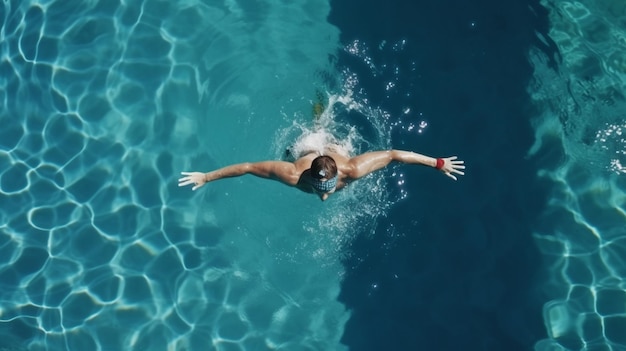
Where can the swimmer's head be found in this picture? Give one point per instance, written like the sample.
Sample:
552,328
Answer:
324,176
323,167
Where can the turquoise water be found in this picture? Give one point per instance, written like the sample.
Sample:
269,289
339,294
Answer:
580,132
105,102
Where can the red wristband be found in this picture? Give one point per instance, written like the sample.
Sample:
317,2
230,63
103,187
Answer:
440,163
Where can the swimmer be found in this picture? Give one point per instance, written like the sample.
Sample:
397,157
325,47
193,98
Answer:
323,174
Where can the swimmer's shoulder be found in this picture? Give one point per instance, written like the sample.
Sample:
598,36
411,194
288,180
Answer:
340,158
304,162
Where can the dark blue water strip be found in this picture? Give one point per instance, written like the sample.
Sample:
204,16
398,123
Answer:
454,266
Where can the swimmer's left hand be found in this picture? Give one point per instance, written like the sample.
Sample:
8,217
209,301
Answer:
453,166
196,178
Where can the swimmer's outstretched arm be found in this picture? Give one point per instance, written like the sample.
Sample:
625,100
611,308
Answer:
284,172
369,162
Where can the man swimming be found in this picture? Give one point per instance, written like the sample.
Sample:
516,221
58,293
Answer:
323,174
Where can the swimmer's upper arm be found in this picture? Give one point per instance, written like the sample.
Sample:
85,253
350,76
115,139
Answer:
285,172
362,165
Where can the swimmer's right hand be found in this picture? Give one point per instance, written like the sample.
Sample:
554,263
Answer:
196,178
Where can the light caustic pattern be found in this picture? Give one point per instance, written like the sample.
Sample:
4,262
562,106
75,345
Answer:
581,146
99,249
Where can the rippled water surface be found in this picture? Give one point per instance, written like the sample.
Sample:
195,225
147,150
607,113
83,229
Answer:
105,102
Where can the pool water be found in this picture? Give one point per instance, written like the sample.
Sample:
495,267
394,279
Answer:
106,102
